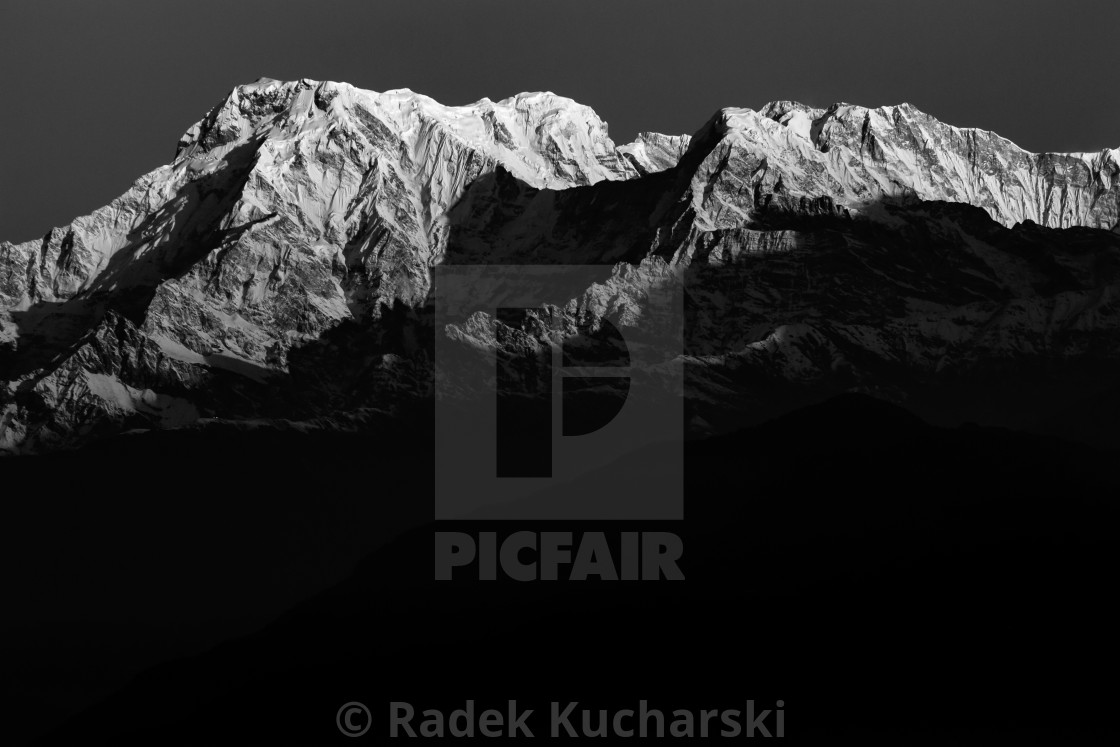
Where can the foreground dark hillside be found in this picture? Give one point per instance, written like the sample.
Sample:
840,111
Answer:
892,582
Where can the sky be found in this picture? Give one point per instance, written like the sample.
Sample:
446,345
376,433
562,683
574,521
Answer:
97,94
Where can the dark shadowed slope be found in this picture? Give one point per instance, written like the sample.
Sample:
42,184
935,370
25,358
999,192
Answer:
890,581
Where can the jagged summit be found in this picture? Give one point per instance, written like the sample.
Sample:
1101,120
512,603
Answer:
856,156
543,139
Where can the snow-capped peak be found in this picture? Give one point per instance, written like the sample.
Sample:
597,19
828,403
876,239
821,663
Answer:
858,157
543,139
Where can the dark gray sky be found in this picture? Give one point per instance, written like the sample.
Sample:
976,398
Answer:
97,93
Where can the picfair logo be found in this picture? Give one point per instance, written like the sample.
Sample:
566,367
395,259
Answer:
559,392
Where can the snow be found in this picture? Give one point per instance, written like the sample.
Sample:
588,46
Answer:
333,202
857,155
652,152
171,412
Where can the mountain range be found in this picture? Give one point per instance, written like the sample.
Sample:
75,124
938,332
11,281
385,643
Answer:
279,270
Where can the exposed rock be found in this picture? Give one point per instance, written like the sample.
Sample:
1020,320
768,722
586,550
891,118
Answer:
280,266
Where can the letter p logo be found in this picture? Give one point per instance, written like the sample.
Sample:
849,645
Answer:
558,393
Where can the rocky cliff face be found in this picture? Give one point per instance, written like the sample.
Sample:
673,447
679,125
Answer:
280,267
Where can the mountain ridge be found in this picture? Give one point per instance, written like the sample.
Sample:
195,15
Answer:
302,216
